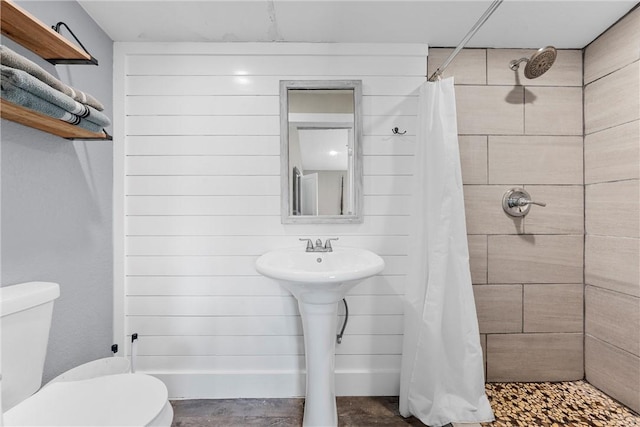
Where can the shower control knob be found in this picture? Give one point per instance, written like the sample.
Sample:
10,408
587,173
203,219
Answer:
517,202
521,201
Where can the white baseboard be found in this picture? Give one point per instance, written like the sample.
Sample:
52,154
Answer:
273,384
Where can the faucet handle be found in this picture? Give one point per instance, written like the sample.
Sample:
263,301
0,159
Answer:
327,243
523,201
531,202
309,244
517,202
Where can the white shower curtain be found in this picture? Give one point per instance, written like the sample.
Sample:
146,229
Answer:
442,377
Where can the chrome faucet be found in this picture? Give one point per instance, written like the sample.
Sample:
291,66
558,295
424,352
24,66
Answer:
318,247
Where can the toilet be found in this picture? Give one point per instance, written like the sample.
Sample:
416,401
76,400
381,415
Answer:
75,399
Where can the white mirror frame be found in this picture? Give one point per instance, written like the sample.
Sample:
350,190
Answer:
285,170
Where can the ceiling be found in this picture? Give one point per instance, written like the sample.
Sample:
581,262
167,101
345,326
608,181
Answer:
324,149
524,24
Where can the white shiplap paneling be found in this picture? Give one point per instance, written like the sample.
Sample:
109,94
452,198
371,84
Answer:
257,325
200,199
246,245
277,65
246,205
286,345
249,306
258,226
203,145
203,185
203,165
349,362
261,85
228,265
244,285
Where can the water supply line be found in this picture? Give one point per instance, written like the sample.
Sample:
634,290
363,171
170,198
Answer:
436,75
344,324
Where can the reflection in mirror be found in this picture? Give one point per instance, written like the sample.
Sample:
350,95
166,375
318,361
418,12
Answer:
320,149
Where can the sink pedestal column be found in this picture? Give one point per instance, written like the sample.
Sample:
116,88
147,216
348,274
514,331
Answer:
319,322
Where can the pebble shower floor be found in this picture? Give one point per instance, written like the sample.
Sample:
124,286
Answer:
574,404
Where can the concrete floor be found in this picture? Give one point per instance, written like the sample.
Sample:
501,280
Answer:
352,411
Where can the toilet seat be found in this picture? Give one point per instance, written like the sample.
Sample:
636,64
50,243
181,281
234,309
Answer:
112,400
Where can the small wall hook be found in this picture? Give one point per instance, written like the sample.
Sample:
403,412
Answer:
396,131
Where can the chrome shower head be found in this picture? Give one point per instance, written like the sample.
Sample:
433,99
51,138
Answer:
538,64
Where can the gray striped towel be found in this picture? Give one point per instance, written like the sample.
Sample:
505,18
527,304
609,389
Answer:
30,84
14,60
26,99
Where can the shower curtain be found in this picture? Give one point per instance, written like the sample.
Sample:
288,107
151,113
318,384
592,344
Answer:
442,377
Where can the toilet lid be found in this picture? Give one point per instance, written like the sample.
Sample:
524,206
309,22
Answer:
112,400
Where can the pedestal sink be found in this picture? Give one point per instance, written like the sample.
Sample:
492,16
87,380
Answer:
319,280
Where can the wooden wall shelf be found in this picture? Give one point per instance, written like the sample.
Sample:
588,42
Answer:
33,119
25,29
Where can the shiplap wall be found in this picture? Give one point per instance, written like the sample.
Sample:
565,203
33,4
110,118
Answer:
197,201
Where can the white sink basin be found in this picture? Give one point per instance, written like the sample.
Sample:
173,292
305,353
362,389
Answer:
319,277
296,265
319,280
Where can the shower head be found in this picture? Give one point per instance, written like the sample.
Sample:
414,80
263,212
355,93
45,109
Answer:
538,64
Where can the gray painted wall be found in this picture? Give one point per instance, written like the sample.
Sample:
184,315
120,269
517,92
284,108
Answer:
57,204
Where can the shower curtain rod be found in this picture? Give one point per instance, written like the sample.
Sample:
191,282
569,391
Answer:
466,38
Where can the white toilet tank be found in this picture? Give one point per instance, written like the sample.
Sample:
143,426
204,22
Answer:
25,320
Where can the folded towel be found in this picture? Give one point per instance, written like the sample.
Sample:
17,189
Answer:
14,60
30,84
26,99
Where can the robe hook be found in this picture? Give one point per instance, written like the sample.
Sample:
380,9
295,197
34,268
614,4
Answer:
396,131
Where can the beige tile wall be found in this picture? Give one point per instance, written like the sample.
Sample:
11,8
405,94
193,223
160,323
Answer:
613,50
501,112
542,105
535,160
612,208
612,370
613,99
535,258
530,357
612,154
499,308
606,311
469,67
527,273
612,263
612,211
564,211
472,148
553,308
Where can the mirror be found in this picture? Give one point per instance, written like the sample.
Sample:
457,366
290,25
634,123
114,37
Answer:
320,151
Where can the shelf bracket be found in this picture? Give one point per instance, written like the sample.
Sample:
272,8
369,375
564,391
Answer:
106,137
56,61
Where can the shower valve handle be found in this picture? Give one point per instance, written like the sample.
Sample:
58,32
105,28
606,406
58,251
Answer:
517,202
522,201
